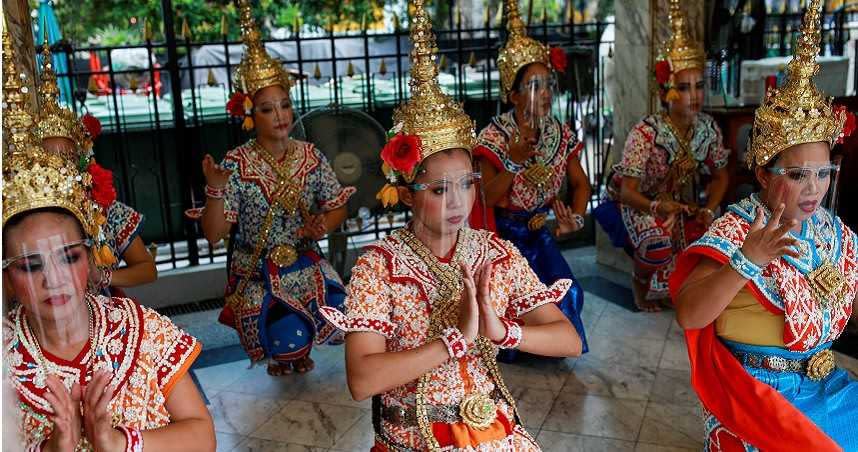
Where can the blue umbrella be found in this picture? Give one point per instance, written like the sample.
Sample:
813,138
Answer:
49,25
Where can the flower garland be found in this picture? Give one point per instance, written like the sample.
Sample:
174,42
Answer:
103,194
240,105
665,78
558,59
848,122
400,155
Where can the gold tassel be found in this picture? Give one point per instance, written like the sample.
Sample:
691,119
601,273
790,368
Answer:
672,95
248,104
317,72
247,124
350,70
104,257
382,68
211,80
388,195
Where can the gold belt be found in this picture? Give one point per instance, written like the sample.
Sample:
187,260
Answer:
537,221
283,255
475,410
817,367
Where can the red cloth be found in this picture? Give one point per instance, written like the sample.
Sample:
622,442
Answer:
102,81
482,216
752,410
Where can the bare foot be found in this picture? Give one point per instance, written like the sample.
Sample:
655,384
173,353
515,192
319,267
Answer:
303,365
639,289
278,369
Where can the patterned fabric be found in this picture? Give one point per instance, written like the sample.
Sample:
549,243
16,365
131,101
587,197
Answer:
248,197
828,403
124,224
783,285
147,352
651,148
390,293
544,257
649,152
557,144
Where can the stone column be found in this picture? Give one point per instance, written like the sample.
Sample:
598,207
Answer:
16,14
631,87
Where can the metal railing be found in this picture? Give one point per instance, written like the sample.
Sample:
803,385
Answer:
162,116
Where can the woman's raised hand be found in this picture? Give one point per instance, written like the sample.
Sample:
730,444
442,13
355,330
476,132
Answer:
216,175
765,243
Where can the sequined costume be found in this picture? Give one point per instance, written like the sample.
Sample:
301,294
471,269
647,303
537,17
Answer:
392,292
520,215
277,280
288,295
146,351
651,149
764,372
819,411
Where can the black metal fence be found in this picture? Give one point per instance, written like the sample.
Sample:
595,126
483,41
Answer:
160,117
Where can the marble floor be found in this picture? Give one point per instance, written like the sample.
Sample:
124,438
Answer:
630,393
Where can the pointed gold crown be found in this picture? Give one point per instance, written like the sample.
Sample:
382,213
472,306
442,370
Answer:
55,121
34,178
797,112
519,49
681,51
257,69
439,121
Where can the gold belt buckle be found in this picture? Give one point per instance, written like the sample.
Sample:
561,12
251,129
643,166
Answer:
820,365
478,411
537,221
283,255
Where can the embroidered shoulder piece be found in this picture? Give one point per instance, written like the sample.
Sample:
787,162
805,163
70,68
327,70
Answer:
117,330
785,286
705,136
124,224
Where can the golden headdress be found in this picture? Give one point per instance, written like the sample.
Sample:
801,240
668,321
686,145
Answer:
430,121
55,121
797,112
257,69
34,178
435,117
679,53
519,49
681,50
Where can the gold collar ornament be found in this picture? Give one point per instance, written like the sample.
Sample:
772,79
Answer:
797,112
34,178
427,123
257,69
680,52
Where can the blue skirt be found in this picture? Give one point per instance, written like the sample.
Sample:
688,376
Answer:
541,252
289,324
831,403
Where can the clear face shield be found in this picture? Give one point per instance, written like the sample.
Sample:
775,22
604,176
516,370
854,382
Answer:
50,277
445,203
540,95
805,187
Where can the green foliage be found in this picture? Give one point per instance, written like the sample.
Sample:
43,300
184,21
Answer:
107,21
